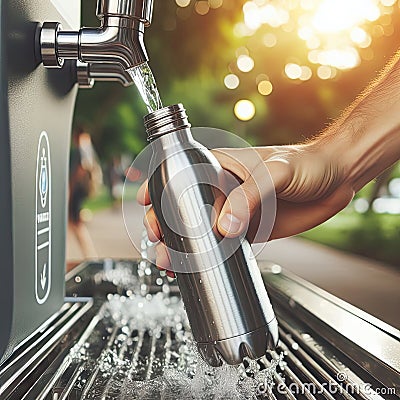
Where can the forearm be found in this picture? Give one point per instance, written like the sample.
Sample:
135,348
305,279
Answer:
366,139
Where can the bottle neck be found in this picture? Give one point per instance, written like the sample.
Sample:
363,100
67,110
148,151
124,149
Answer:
167,120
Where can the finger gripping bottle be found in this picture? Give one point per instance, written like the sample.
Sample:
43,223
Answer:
227,305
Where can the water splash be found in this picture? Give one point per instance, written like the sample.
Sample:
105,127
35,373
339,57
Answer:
143,349
146,85
120,275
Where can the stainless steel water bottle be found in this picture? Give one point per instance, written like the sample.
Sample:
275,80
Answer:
221,286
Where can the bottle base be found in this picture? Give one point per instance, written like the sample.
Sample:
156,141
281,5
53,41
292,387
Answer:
233,350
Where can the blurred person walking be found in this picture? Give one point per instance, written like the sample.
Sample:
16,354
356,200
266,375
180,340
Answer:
85,178
114,179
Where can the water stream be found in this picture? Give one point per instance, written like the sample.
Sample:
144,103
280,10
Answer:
147,87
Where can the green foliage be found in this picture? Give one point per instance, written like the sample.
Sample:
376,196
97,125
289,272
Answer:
371,235
115,122
101,201
212,108
190,54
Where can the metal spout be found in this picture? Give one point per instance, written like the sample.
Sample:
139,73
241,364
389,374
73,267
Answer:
118,40
88,74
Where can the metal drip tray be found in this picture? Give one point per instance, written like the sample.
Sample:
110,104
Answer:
123,334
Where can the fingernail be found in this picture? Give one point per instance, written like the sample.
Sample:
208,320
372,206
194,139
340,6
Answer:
230,223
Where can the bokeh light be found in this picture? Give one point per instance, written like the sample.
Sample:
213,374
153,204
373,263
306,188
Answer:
327,37
244,110
306,73
182,3
231,81
269,40
265,88
340,58
334,31
394,187
324,72
215,3
293,71
358,35
202,7
245,63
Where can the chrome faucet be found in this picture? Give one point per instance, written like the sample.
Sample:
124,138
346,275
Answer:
87,74
118,40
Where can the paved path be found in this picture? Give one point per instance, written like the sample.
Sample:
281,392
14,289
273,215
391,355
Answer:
369,285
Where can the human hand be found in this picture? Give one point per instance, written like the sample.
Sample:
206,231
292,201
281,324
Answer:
310,187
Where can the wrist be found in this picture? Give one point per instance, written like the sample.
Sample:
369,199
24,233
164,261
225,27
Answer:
363,150
330,151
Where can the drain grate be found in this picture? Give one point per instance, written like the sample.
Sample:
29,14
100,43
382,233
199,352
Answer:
134,347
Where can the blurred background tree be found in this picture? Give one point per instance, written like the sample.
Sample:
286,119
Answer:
271,71
299,63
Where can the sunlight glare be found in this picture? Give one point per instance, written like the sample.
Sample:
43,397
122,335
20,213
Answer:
251,15
344,58
333,31
334,16
273,15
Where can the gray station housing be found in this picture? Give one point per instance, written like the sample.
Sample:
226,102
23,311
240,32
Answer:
36,108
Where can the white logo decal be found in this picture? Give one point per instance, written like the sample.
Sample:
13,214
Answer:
43,180
43,220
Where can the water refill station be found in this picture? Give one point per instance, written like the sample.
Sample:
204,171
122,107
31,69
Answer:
35,116
44,54
58,335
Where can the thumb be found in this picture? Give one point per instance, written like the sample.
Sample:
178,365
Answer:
239,208
245,201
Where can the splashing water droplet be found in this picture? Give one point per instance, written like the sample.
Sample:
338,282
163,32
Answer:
169,365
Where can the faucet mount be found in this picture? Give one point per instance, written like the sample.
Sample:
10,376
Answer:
118,40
